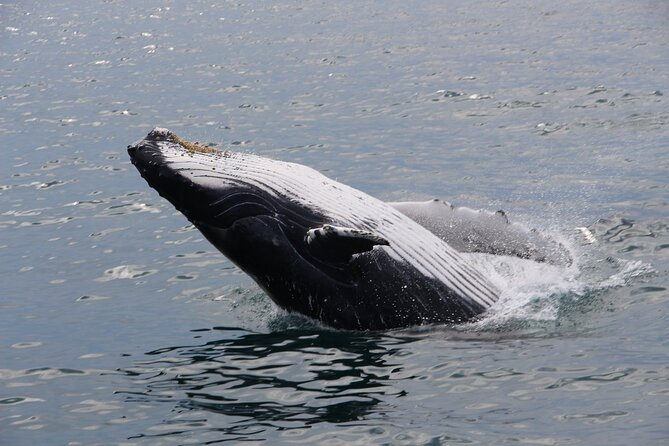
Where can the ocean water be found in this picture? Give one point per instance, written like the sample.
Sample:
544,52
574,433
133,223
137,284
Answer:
121,325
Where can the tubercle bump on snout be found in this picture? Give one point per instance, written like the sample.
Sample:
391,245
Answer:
163,134
160,132
152,142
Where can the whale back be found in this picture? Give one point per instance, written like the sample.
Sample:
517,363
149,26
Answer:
471,230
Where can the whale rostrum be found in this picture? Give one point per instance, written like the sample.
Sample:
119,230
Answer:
331,252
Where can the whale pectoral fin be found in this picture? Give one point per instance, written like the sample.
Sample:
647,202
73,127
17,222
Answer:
335,243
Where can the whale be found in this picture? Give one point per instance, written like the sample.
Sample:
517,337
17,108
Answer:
328,251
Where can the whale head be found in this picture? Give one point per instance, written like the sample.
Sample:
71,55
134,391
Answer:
232,199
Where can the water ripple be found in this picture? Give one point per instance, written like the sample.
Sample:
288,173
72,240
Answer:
126,272
305,378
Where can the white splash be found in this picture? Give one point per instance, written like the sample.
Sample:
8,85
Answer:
629,269
537,292
526,288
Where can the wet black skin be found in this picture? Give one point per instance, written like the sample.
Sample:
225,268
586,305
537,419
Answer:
265,237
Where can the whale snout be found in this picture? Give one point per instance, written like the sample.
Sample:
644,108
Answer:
189,175
151,158
148,150
135,151
136,147
147,158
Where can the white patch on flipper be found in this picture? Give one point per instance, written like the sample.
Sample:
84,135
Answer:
528,288
339,231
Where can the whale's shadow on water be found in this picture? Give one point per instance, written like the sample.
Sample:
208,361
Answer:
282,380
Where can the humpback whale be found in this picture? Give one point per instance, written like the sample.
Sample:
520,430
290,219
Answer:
328,251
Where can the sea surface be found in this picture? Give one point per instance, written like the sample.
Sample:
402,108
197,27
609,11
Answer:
121,325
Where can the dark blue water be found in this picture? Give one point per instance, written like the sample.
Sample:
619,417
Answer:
120,325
